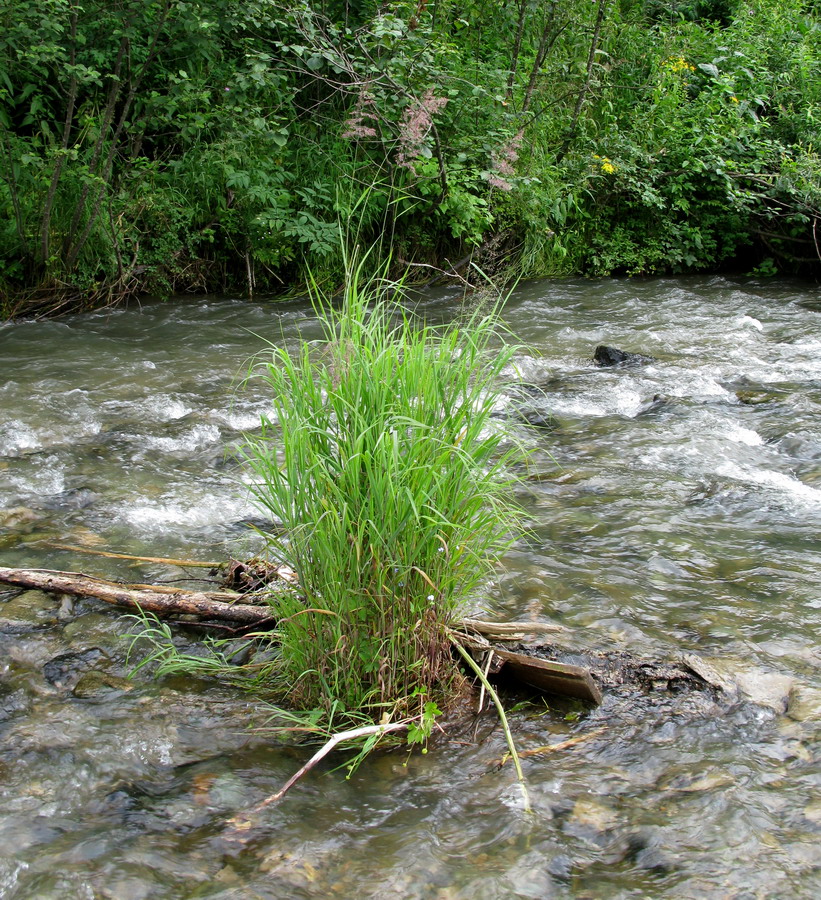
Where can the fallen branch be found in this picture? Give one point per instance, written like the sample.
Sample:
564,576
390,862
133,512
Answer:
162,601
181,563
510,630
244,823
551,748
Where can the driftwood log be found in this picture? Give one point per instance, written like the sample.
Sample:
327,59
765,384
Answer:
151,598
476,635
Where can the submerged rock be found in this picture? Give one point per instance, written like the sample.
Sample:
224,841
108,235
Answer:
607,357
536,418
738,681
590,813
561,867
75,498
10,626
805,704
67,668
769,689
97,684
754,393
18,517
29,610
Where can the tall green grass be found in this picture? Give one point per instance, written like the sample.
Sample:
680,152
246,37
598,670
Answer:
393,483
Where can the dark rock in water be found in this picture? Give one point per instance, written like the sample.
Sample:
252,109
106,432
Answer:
239,652
12,703
256,523
754,393
654,860
605,356
68,667
537,418
9,626
561,867
76,498
529,389
658,402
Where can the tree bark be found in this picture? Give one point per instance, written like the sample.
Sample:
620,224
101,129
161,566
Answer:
548,38
172,601
517,47
603,6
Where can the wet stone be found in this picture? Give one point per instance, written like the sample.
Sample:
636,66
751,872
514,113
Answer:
561,867
88,626
132,887
589,814
769,689
9,626
34,608
805,704
98,684
67,668
653,859
76,498
690,784
66,610
605,356
536,418
755,398
12,703
20,833
18,517
812,812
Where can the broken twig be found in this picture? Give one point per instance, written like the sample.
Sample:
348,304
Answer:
244,823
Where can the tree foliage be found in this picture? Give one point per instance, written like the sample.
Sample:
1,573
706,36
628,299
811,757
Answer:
203,144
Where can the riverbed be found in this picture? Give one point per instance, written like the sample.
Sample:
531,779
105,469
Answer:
674,506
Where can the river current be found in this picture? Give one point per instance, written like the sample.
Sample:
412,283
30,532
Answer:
675,509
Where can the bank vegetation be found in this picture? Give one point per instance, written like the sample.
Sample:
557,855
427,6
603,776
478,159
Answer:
206,145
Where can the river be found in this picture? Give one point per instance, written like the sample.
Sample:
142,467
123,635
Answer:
675,508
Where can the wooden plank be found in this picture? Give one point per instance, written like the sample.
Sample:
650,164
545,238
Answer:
551,677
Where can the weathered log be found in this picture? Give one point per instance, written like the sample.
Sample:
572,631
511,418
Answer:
510,631
551,677
159,600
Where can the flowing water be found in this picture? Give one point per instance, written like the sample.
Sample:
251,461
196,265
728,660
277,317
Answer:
676,507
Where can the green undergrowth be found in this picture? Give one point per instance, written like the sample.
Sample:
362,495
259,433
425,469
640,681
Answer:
163,148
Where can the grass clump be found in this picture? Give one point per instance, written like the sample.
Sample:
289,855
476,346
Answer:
393,486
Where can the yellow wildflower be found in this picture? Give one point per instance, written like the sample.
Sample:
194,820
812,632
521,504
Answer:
606,165
678,64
